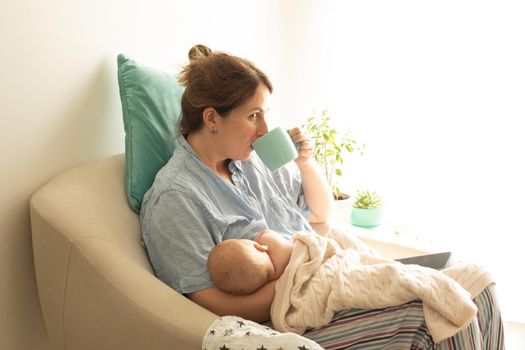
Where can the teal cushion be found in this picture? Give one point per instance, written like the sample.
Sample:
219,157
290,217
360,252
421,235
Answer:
150,108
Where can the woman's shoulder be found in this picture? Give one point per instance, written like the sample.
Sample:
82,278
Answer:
179,174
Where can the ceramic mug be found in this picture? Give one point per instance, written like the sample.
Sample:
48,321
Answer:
275,148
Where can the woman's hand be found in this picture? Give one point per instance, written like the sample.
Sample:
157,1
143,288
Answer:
306,147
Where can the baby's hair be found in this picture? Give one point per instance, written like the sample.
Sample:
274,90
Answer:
234,270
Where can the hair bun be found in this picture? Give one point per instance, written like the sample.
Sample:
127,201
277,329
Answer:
198,52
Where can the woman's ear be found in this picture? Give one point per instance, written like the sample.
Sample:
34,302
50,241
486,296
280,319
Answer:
209,117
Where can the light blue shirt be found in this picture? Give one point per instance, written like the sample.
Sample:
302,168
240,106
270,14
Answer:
189,209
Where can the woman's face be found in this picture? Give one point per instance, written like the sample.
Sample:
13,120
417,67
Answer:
244,125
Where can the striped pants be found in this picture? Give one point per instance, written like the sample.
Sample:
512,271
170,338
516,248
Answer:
403,327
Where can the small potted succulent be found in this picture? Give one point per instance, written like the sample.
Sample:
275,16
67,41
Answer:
330,147
367,209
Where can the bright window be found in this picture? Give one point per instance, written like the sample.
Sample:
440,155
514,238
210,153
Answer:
437,90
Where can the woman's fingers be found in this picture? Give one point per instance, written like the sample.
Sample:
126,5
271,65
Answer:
305,143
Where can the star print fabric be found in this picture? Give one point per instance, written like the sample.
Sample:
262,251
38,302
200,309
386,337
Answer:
235,333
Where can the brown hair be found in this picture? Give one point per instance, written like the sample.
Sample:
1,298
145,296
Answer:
218,80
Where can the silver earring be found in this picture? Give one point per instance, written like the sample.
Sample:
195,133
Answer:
213,130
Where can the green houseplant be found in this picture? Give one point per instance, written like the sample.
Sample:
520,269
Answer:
367,209
330,147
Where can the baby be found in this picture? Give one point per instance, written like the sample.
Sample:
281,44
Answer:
241,266
336,272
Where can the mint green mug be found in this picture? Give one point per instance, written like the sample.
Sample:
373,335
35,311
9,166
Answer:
275,148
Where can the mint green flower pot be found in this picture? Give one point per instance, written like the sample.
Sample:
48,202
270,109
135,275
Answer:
366,217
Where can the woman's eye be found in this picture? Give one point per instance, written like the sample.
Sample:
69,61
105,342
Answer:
254,116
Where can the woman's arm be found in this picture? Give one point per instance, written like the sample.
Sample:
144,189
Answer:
317,192
255,306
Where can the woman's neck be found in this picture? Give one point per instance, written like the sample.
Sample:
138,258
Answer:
206,150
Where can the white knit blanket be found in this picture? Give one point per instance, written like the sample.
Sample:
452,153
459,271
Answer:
336,272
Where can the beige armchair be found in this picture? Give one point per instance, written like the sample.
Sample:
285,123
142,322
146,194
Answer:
96,286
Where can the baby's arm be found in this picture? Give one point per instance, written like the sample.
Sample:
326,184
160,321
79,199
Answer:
278,248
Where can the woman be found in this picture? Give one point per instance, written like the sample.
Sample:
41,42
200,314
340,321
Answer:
215,188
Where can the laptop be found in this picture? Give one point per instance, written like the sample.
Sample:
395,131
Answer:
436,261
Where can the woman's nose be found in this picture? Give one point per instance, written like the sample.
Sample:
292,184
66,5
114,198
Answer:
262,129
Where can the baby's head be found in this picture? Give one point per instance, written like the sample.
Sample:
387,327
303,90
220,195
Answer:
240,266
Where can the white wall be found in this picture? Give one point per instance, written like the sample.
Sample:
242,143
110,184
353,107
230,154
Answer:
59,103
